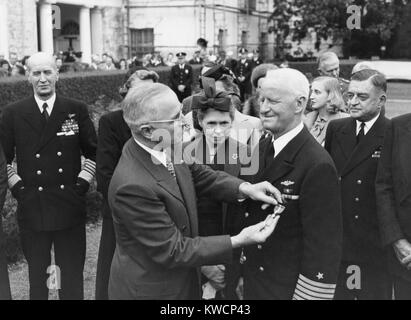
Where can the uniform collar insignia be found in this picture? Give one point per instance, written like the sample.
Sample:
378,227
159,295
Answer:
287,183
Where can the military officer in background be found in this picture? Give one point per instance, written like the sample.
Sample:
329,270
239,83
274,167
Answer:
302,258
243,72
257,60
48,134
181,77
355,144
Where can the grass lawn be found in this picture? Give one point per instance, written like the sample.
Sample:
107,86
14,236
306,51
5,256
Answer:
19,274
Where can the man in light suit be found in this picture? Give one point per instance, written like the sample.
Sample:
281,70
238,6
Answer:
393,186
301,260
48,134
153,203
356,153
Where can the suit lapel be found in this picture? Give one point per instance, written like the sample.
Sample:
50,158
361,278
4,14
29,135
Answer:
284,161
58,115
371,141
347,138
158,171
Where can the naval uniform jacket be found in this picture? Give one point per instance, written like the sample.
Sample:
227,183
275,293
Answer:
49,160
184,77
301,259
357,168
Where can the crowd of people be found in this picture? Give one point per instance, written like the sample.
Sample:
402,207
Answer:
269,185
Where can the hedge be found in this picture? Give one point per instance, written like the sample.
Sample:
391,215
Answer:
85,86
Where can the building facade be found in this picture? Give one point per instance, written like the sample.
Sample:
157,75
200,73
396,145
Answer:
124,28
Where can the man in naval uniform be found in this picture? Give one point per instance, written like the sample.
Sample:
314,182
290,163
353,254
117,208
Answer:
181,77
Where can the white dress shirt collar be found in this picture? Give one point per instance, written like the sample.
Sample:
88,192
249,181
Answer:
281,142
368,124
50,103
160,156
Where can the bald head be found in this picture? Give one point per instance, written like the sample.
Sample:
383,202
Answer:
288,80
148,102
329,65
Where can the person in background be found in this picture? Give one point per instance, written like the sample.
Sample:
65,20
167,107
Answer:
243,74
361,66
113,133
252,105
355,144
196,58
4,275
327,104
5,67
215,148
123,64
181,77
170,61
95,62
393,185
59,63
54,142
245,129
256,59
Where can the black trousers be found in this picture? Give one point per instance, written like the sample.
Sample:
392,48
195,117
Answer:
67,274
375,281
105,257
4,276
402,289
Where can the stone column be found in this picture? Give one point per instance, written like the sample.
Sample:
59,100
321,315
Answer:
85,34
97,31
46,27
4,29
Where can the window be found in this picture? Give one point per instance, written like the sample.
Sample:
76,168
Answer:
244,39
142,41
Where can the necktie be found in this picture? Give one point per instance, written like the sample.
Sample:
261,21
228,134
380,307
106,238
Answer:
361,133
170,168
45,113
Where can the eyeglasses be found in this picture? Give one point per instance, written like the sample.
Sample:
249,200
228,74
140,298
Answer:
180,119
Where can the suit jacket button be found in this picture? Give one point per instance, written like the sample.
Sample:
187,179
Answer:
339,178
246,215
40,189
61,170
261,269
356,217
38,172
259,247
62,187
38,156
59,153
359,181
356,199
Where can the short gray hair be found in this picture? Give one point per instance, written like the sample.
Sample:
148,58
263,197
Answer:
291,80
141,103
326,56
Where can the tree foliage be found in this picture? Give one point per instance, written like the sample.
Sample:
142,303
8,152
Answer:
380,19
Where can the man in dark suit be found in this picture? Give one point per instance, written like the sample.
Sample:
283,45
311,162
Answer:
393,186
257,60
355,144
196,58
4,275
153,203
301,259
243,72
181,77
48,134
113,133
